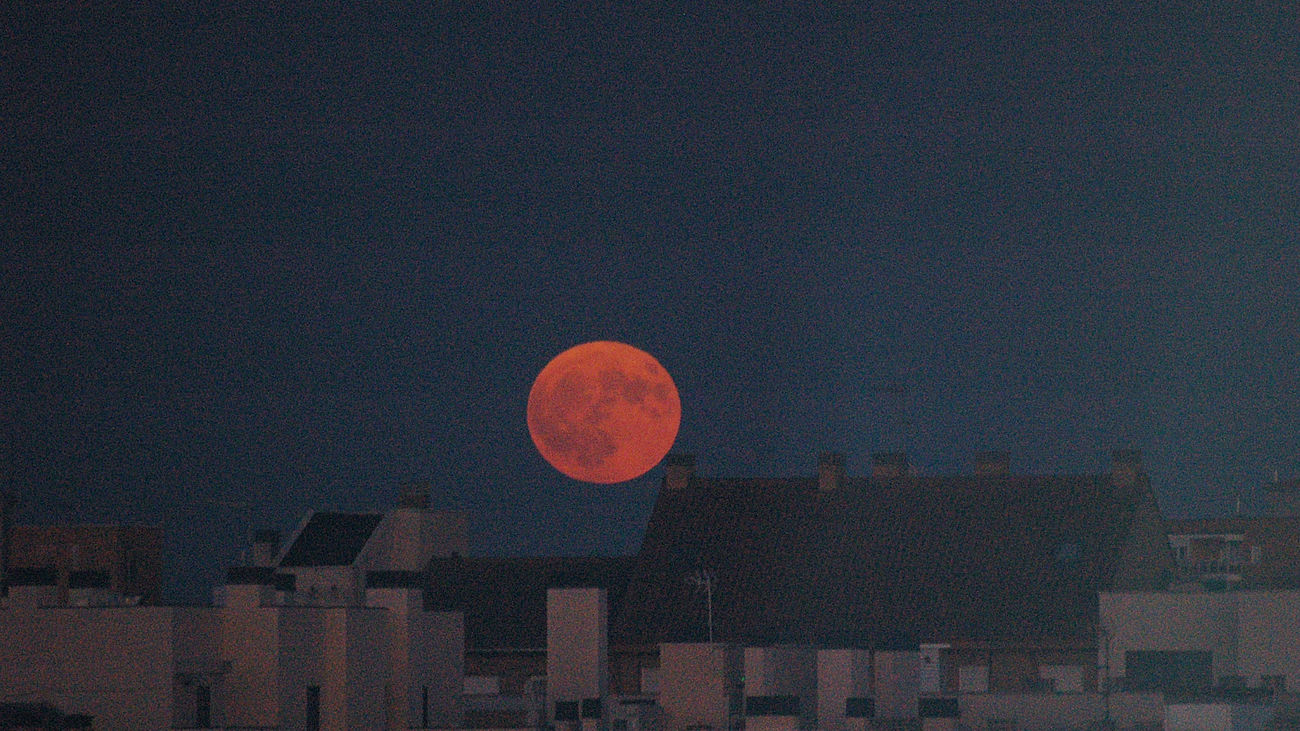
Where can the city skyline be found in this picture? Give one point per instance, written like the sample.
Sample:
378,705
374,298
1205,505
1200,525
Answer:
260,262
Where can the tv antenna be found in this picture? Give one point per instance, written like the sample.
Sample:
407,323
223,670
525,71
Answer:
704,579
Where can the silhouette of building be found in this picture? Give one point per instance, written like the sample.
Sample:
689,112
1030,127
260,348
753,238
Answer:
984,583
329,633
127,557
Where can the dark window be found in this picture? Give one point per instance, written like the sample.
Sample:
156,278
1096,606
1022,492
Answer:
566,710
1179,671
202,706
424,708
772,705
312,722
591,708
937,708
860,708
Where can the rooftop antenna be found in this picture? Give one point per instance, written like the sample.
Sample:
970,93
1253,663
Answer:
704,579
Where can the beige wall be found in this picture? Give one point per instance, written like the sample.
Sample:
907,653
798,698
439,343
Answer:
577,650
897,680
1050,710
841,674
250,642
114,663
696,681
1250,633
783,670
406,538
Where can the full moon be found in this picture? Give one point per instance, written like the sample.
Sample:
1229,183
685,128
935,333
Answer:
603,412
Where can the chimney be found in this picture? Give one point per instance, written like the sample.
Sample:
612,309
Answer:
992,463
830,471
1126,467
266,546
414,496
887,465
680,471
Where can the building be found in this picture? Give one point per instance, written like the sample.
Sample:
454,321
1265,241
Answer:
352,646
1219,656
504,602
1236,553
894,584
127,557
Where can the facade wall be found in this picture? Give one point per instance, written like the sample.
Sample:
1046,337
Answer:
130,555
114,663
1034,711
251,642
841,674
577,650
1269,636
406,538
897,681
783,670
299,663
366,680
697,683
1249,633
327,585
196,635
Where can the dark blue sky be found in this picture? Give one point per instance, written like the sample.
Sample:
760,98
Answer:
264,261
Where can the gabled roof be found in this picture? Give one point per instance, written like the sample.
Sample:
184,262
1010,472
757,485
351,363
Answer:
880,562
330,539
504,599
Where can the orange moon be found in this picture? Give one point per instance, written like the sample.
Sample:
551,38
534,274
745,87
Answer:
603,412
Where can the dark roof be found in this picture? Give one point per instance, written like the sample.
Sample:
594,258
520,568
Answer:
331,539
504,599
880,562
250,575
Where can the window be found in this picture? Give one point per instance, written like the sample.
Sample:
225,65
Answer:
1169,670
772,705
566,711
202,706
860,707
424,708
312,721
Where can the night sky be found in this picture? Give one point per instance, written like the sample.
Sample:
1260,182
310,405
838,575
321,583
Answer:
263,261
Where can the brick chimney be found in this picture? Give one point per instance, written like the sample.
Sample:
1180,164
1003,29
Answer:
1126,467
680,470
830,471
887,465
992,463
